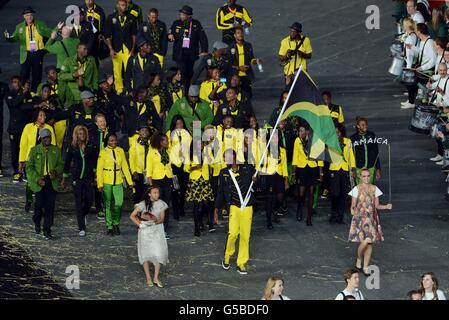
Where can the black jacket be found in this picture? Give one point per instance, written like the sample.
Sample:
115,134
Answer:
87,36
138,75
210,60
132,117
358,143
227,193
240,118
110,104
98,23
198,38
233,57
74,164
20,110
77,116
157,39
119,35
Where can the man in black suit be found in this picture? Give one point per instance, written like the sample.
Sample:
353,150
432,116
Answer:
155,32
140,67
241,56
188,36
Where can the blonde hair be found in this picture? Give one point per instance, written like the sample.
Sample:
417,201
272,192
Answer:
408,22
75,142
268,292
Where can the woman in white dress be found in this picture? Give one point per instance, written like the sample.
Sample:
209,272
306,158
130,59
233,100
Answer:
365,226
429,287
149,216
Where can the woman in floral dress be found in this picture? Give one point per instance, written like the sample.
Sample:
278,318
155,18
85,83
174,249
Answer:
365,226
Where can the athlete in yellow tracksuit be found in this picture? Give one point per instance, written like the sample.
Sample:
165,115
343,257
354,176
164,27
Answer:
111,167
120,33
232,188
138,152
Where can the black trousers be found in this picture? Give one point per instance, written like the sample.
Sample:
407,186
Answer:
440,148
139,189
413,90
326,176
179,196
99,201
32,66
44,206
339,190
166,188
246,85
83,191
186,65
14,140
201,209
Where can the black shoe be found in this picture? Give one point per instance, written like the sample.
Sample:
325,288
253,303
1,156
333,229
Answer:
309,223
202,227
225,266
48,236
314,212
197,233
116,230
242,270
37,229
27,207
109,232
332,220
270,226
182,213
298,217
212,229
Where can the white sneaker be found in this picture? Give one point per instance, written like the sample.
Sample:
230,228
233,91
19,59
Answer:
406,93
408,106
439,163
405,102
436,158
82,233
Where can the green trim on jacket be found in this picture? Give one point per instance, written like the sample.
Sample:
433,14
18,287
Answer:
19,35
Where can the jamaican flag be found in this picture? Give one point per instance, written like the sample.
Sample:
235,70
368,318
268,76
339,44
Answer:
307,103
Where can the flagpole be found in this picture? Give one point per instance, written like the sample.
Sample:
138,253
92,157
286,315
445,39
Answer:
389,172
248,194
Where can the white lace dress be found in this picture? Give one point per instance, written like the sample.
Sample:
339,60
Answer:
151,242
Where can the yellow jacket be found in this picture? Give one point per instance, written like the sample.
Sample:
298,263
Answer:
300,159
111,166
272,165
155,169
179,146
198,173
137,157
348,157
206,89
228,139
29,137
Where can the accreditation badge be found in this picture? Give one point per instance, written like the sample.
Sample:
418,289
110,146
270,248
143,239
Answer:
33,46
186,43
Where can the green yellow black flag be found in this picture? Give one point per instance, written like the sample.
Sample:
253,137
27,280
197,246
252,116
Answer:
307,103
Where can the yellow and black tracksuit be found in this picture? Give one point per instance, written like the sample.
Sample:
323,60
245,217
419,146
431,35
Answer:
179,150
336,113
160,172
228,17
111,167
239,220
137,162
122,32
206,89
339,180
